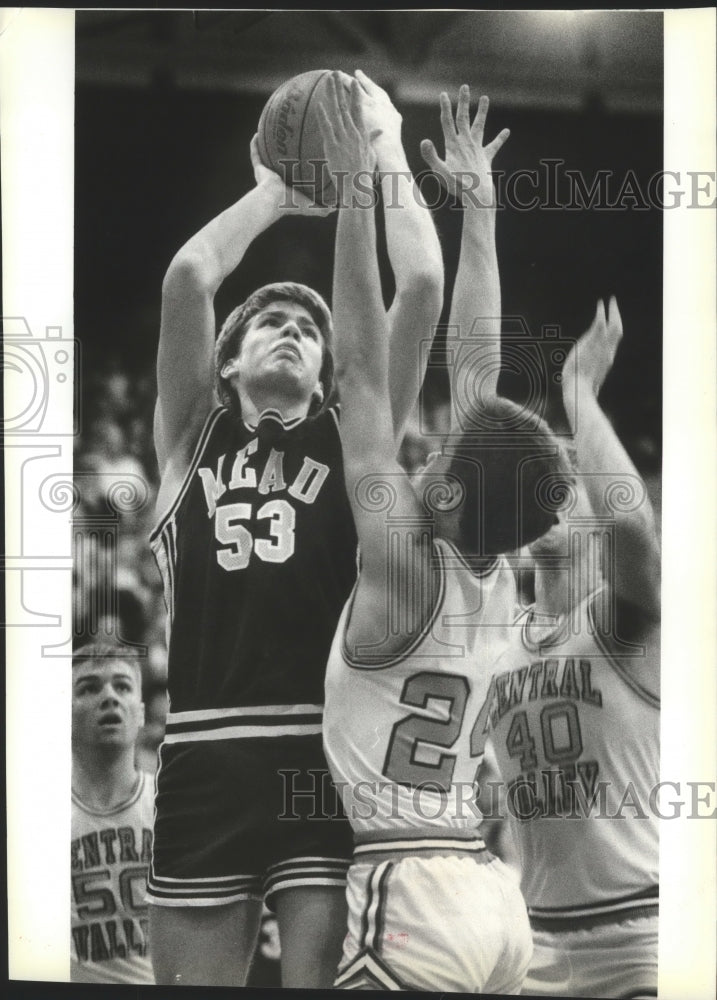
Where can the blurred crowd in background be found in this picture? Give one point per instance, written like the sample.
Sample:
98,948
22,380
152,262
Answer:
117,593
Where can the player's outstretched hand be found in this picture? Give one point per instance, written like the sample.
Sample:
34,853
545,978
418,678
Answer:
380,116
465,172
347,142
288,200
593,355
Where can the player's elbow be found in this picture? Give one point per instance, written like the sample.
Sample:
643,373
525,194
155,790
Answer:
188,273
425,283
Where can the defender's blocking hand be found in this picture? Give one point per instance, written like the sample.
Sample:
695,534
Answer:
592,357
466,168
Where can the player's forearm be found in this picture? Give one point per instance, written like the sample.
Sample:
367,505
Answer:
415,256
475,317
476,305
359,315
605,465
597,448
361,330
411,238
366,416
213,253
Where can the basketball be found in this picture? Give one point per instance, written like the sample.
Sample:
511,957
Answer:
289,137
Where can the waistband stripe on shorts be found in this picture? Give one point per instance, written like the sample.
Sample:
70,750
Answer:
330,873
202,891
207,714
243,723
406,846
206,899
641,904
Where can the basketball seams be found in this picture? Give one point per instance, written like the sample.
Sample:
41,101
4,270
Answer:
303,123
264,154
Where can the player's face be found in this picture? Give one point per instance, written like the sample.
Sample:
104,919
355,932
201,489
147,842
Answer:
107,709
282,348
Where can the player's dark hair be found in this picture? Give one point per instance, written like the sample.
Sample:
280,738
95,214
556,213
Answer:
516,475
235,325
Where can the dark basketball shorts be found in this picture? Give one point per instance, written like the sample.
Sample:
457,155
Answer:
244,819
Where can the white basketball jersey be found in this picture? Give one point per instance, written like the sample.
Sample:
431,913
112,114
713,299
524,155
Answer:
110,855
576,737
404,738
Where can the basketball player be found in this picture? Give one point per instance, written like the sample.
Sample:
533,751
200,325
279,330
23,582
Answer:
429,907
575,719
257,549
112,804
575,702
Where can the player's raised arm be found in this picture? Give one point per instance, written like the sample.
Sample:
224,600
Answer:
475,317
362,350
414,252
633,569
185,360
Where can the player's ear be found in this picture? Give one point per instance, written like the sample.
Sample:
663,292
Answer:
230,367
318,393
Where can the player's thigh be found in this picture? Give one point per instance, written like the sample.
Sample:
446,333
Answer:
312,926
203,946
444,924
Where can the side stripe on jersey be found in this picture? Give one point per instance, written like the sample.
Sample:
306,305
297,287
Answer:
243,723
649,696
392,661
164,547
163,537
209,425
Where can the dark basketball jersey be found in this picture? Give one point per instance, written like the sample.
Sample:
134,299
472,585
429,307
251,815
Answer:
258,555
